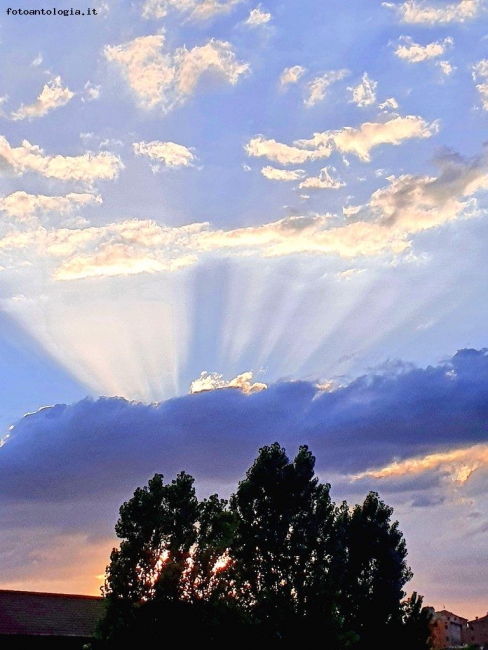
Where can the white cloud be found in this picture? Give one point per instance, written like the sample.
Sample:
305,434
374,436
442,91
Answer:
197,10
117,259
415,53
37,61
415,12
284,154
216,56
291,75
213,381
170,153
415,203
351,210
165,80
480,73
407,206
282,174
323,181
149,71
206,9
391,102
23,206
347,140
371,134
52,96
159,8
364,94
446,67
123,248
317,88
92,92
258,17
86,168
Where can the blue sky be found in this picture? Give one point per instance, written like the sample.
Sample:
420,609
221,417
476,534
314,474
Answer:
227,209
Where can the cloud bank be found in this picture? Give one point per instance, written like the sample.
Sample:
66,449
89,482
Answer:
376,426
406,206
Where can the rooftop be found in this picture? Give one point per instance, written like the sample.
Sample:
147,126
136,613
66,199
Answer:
45,614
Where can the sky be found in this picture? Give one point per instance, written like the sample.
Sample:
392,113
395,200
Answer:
225,223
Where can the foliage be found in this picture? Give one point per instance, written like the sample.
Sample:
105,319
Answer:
279,562
375,572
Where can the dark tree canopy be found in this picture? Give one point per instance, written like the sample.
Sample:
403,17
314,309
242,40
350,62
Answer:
279,562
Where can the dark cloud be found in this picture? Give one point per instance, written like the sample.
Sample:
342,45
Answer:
107,447
427,500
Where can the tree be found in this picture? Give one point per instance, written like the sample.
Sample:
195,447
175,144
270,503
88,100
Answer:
375,573
416,624
157,528
279,562
284,545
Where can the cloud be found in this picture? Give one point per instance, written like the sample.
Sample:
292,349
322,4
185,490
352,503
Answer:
123,248
480,73
316,90
23,206
416,12
364,94
166,80
407,206
284,154
446,67
417,203
159,8
307,235
170,153
347,140
86,168
415,53
291,75
197,10
372,134
391,102
206,9
351,210
323,181
138,246
216,56
52,96
282,174
88,457
100,448
458,464
115,260
258,17
213,381
92,92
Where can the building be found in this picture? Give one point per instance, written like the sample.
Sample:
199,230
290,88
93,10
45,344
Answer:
35,620
477,631
447,630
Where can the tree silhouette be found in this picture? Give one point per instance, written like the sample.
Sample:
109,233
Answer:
279,562
375,573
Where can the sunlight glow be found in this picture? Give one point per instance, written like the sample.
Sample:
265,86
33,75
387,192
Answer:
459,464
